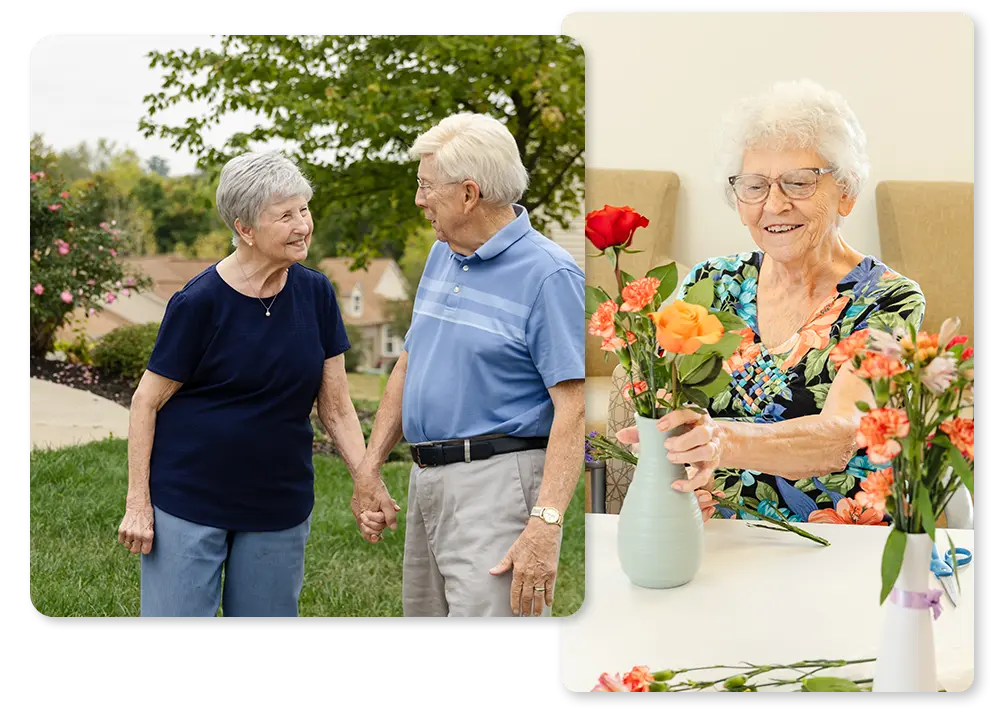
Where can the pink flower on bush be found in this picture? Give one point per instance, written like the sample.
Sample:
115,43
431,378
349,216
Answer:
64,194
66,296
38,289
62,246
129,281
91,311
34,177
91,282
55,206
104,226
126,291
109,297
112,252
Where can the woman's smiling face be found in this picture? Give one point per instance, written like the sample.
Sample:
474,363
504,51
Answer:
784,229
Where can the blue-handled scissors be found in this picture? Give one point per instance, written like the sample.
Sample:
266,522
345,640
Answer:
945,572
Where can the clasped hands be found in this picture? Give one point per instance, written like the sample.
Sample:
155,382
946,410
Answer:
373,507
700,448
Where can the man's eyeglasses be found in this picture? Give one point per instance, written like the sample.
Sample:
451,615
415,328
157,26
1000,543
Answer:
797,184
423,186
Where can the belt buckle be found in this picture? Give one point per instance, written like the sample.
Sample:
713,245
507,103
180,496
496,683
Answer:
418,456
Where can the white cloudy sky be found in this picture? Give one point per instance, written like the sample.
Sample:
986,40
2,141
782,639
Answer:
88,87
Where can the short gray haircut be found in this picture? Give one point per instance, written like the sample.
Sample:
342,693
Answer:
251,182
471,146
797,114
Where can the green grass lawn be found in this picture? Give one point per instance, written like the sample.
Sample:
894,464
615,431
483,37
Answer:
78,568
365,386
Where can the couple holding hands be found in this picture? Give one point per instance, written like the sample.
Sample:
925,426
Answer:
489,392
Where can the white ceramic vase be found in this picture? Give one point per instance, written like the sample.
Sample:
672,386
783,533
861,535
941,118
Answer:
905,661
660,533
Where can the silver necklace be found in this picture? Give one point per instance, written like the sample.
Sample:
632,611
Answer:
268,308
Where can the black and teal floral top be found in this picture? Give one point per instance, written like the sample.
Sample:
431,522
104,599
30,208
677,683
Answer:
793,379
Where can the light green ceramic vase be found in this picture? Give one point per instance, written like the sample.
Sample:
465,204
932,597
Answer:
660,533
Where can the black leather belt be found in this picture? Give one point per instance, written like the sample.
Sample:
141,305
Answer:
440,453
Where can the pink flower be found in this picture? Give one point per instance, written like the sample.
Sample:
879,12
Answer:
66,296
113,252
63,247
55,206
610,683
40,174
939,374
109,297
91,281
887,344
104,226
39,289
91,311
64,194
130,281
34,177
126,291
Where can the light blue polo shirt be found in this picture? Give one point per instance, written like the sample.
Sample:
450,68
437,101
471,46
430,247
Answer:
490,333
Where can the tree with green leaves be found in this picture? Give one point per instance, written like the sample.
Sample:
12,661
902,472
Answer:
347,108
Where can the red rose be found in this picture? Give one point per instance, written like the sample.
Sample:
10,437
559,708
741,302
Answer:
613,226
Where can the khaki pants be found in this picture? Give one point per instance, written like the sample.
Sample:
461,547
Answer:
462,518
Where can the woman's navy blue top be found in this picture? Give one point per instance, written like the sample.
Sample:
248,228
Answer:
232,447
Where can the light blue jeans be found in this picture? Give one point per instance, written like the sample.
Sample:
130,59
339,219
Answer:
260,573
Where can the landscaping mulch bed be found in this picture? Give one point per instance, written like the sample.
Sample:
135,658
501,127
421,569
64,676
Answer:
88,378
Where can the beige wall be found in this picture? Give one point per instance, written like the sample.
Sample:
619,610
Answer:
659,84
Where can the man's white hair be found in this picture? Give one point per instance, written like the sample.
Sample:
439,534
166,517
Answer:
797,114
470,146
251,182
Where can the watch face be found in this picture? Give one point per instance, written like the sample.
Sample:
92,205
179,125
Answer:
550,516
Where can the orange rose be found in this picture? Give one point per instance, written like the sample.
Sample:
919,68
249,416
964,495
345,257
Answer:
849,347
961,433
683,327
876,366
639,294
878,432
602,322
613,226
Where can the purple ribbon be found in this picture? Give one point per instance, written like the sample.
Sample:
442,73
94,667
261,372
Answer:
931,599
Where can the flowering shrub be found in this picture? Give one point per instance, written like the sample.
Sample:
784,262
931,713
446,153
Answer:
73,257
126,350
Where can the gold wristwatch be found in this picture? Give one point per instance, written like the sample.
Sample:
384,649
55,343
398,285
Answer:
549,514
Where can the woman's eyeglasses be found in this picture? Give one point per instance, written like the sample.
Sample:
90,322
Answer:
797,184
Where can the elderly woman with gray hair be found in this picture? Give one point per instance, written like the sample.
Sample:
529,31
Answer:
220,440
797,163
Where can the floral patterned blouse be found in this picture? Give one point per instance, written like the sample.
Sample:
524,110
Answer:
793,379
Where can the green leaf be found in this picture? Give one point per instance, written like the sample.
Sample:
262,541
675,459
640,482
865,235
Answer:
730,321
923,501
892,561
667,277
699,369
863,406
627,277
815,360
960,465
695,395
701,293
717,385
829,684
725,346
721,401
594,297
955,562
819,394
766,491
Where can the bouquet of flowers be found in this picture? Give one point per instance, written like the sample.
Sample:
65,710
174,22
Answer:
920,383
672,352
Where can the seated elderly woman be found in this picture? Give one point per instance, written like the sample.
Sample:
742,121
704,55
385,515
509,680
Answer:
798,163
220,440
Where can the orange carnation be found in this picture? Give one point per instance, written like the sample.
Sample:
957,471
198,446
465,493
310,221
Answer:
638,679
639,294
631,390
961,433
616,343
683,327
878,432
849,347
877,366
926,348
602,322
877,487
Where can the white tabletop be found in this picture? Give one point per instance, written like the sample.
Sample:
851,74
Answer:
760,596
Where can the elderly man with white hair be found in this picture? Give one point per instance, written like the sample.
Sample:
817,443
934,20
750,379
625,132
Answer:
489,390
796,162
221,477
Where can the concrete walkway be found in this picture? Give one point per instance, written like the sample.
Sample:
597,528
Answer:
61,416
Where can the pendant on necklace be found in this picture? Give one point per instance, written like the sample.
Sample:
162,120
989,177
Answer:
268,313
